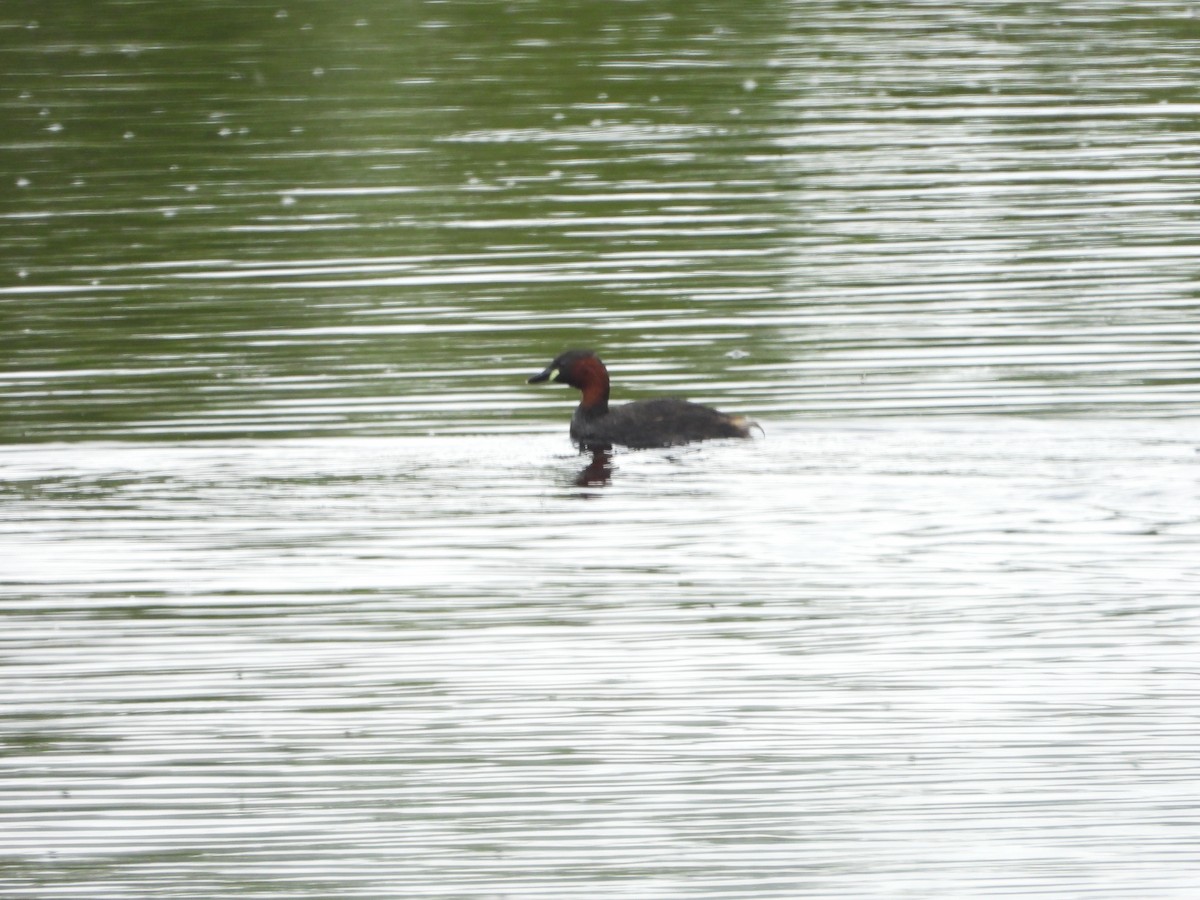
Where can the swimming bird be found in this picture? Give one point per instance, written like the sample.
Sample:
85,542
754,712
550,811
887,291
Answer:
661,422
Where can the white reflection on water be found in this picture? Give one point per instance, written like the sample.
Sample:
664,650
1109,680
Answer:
899,659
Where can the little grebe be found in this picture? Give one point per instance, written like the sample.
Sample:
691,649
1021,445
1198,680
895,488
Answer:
662,422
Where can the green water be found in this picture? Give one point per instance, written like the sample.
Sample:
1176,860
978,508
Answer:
260,219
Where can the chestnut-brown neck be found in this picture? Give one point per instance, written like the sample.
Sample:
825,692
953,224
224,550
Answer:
590,376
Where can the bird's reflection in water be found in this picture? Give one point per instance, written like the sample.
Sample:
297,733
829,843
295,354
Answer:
598,471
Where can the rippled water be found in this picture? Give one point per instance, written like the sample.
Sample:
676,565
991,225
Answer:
376,219
305,592
899,659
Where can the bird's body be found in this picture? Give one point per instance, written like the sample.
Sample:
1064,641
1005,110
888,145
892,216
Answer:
661,422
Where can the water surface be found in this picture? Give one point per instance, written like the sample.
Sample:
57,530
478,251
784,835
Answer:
306,594
901,659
